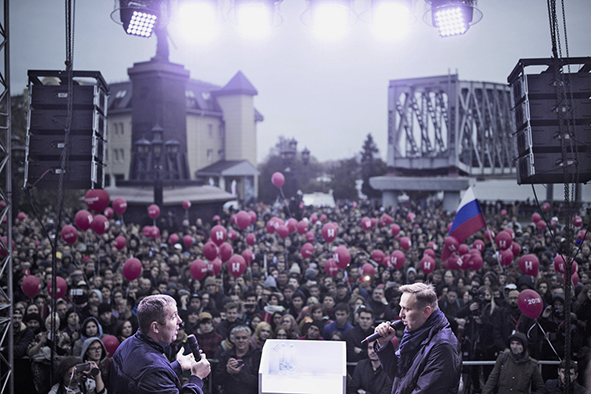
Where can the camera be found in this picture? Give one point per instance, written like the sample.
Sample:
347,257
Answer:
83,367
479,299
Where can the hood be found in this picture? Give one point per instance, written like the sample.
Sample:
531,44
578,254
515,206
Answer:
83,327
87,344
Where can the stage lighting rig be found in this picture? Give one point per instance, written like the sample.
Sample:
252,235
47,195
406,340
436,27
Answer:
452,17
139,17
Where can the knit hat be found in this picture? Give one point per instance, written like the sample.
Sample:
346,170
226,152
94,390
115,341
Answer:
311,274
519,336
295,268
210,280
270,282
104,307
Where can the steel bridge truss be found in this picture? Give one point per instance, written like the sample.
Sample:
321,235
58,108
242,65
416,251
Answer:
441,125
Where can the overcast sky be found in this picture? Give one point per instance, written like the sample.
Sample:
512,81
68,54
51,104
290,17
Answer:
328,96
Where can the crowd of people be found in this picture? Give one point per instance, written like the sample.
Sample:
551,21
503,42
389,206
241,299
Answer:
284,295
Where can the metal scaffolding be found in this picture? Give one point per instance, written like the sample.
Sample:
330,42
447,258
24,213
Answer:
441,125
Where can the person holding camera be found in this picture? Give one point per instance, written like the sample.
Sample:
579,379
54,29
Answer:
140,365
238,367
94,350
74,377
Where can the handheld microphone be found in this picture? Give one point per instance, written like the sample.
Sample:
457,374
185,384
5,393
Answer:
398,324
194,345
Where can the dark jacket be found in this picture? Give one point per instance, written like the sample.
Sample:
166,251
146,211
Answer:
508,321
247,380
373,382
515,376
140,366
435,367
353,338
553,386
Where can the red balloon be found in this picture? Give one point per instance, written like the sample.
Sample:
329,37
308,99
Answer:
232,235
242,220
329,232
302,227
475,261
226,251
405,243
515,248
291,225
31,286
368,269
478,244
278,180
559,264
429,252
529,264
83,219
236,265
186,205
111,344
253,217
386,220
510,231
546,207
451,244
395,229
313,218
282,231
21,216
506,257
453,262
119,205
374,222
3,251
198,269
463,249
541,225
120,242
331,267
154,232
97,199
574,278
427,264
530,303
187,240
432,245
366,223
270,226
100,224
248,256
577,221
323,218
210,251
173,239
215,218
503,212
109,213
251,239
410,217
341,256
147,231
310,236
396,260
132,269
214,266
378,256
69,234
536,217
218,235
489,235
503,240
60,285
154,211
307,250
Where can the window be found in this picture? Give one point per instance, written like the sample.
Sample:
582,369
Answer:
121,128
115,128
210,130
209,155
116,156
122,155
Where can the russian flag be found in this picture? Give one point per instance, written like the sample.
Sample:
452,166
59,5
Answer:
469,217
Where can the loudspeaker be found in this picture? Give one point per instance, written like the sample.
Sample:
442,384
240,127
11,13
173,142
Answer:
541,102
46,133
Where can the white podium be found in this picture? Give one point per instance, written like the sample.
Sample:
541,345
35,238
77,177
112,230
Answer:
303,367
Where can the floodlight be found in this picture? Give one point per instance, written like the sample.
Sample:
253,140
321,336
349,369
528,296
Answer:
197,20
255,18
329,19
390,18
138,17
453,17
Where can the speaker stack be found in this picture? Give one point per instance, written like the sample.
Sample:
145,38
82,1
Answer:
547,152
46,131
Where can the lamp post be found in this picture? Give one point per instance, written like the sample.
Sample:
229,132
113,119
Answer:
288,155
156,147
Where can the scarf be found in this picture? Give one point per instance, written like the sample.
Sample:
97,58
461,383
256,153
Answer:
411,341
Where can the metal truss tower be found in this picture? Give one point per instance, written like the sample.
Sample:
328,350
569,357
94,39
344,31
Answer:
443,126
6,291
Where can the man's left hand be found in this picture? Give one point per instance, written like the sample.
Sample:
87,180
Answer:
185,361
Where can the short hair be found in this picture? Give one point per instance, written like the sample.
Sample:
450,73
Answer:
152,309
573,365
230,305
238,329
424,293
341,306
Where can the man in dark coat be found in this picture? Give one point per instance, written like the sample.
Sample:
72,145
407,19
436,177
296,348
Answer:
238,367
428,358
139,364
369,376
557,386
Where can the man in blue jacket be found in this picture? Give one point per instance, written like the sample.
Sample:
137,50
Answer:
139,364
428,358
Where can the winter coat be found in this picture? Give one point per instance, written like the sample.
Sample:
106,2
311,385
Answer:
373,382
139,366
247,380
436,365
515,376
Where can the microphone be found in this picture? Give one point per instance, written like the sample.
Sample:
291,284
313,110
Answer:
395,325
194,345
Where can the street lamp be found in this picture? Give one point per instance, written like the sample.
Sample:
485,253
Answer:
156,146
306,156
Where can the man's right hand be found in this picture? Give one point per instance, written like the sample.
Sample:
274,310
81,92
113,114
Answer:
387,333
201,369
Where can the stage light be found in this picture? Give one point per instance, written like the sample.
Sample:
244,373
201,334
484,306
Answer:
390,18
138,17
254,18
197,20
329,19
453,17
